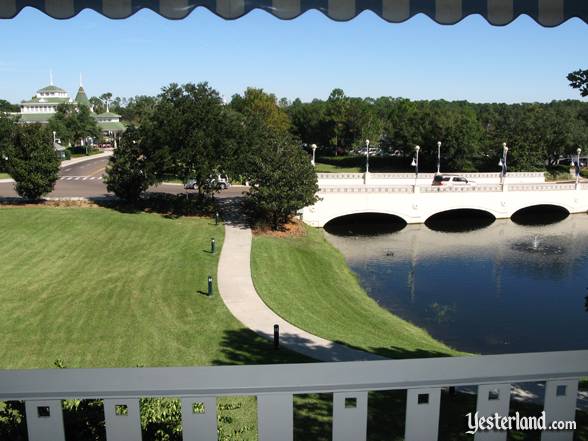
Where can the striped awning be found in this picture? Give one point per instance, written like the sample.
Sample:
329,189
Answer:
497,12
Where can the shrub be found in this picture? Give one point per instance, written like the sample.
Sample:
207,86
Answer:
129,173
32,161
283,182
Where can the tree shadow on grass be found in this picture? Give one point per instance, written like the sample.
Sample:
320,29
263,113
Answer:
171,206
246,347
398,353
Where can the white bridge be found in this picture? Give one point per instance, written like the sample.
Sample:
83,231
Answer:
415,201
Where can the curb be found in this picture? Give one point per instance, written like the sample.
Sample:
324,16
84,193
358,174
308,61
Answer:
84,159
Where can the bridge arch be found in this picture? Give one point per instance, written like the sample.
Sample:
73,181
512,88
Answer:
460,219
358,221
540,214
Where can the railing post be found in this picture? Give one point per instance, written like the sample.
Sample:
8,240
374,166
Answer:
45,420
122,419
560,405
275,417
199,419
422,414
350,416
492,398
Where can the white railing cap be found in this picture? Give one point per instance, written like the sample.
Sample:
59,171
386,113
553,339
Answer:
291,378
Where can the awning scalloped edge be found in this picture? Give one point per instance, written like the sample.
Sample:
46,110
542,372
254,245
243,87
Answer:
547,13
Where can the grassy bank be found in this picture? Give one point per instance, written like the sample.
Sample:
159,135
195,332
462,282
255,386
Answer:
307,281
4,175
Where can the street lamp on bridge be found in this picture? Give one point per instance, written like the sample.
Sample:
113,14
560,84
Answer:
578,167
313,147
438,157
502,162
415,163
367,156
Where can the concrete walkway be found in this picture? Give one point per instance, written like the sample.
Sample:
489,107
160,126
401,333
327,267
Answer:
237,291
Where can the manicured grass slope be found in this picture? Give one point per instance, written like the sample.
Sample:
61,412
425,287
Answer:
99,288
307,281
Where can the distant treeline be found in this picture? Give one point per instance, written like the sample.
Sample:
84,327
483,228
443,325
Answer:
537,134
471,134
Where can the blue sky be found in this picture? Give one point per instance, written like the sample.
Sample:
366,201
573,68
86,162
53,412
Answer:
306,57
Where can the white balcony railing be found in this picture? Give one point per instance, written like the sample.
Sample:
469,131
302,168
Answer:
275,385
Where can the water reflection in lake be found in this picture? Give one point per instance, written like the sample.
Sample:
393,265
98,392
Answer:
503,287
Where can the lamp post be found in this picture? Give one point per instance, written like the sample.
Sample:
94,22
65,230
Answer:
438,157
416,163
313,152
367,156
54,137
502,163
578,167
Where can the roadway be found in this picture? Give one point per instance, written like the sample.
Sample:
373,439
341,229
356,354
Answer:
85,179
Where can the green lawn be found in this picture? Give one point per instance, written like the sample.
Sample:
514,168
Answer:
311,286
98,288
331,168
4,175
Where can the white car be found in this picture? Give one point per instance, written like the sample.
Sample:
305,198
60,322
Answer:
451,181
218,182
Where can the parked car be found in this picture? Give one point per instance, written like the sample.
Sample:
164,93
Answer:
451,181
219,182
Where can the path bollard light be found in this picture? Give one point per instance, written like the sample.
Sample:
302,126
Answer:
209,286
276,336
212,246
216,218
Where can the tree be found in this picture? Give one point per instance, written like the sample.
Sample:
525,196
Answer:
191,134
32,161
7,125
73,124
257,103
6,106
84,125
579,80
337,109
283,182
97,105
130,171
137,109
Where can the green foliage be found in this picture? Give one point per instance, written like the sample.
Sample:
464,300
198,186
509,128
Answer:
73,124
32,161
283,182
191,134
7,127
12,421
137,109
579,80
6,106
255,103
130,172
471,134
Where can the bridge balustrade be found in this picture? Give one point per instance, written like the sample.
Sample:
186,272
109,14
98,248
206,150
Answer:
275,385
463,189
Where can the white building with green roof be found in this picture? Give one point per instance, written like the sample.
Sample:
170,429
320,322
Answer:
41,107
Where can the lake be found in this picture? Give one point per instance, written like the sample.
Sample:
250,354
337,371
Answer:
476,284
